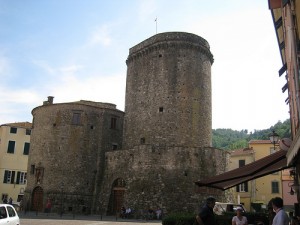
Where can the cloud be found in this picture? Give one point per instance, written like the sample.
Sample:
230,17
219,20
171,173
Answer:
70,69
97,88
45,66
99,36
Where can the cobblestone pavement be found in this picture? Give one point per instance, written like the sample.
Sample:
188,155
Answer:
81,222
54,219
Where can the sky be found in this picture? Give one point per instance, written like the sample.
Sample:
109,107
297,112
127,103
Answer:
76,50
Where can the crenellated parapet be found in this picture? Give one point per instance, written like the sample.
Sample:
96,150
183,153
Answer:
165,41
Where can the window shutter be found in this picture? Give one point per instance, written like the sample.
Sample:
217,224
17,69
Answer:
246,186
238,188
13,177
5,176
11,147
26,148
18,177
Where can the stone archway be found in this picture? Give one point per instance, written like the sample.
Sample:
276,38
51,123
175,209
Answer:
117,196
37,199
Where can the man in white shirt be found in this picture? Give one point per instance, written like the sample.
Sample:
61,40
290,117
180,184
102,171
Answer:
281,218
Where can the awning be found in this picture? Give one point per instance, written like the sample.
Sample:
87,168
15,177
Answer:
264,166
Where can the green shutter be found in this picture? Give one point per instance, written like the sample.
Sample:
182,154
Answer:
18,177
11,147
26,148
246,186
5,176
12,177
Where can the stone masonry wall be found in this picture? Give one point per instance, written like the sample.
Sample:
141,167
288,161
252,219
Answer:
162,177
168,92
68,156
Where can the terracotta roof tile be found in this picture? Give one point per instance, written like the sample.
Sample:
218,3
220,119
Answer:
25,125
259,142
242,151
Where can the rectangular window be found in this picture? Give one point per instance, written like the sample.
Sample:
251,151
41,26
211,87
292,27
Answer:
32,169
26,148
13,130
113,123
11,147
114,146
28,132
243,187
21,177
76,120
242,162
9,177
275,187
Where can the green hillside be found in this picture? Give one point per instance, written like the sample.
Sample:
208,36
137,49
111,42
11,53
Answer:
229,139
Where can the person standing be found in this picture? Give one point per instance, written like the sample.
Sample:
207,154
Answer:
239,219
48,206
281,218
206,215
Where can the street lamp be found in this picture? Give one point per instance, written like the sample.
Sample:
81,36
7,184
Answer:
274,138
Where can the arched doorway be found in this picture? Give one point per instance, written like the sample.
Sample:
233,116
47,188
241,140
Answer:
117,195
37,199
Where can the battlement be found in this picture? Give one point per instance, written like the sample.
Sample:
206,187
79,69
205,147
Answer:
170,39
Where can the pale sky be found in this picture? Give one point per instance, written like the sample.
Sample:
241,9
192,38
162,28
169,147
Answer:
76,50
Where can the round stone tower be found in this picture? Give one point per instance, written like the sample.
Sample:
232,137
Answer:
66,162
167,129
168,92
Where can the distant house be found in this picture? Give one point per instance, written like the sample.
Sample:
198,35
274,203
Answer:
263,189
14,151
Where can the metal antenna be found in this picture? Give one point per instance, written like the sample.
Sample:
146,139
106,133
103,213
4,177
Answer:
156,24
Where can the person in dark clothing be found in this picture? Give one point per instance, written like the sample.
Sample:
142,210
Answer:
271,213
206,215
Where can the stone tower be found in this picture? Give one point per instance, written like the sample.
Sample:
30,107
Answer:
66,162
88,157
167,128
168,92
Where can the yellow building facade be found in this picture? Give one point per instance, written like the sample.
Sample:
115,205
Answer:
270,186
242,193
260,190
14,150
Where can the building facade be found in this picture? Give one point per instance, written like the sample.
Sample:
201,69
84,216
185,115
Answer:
83,165
263,189
286,17
269,186
242,193
14,150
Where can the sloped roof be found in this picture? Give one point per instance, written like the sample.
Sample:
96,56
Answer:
25,125
260,142
264,166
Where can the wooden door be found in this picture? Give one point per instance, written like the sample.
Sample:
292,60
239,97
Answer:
37,199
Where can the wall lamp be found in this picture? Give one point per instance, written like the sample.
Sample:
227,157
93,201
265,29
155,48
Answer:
274,138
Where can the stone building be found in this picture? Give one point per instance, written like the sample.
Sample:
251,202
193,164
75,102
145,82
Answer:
68,144
166,140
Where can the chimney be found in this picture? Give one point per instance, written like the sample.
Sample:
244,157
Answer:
50,100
